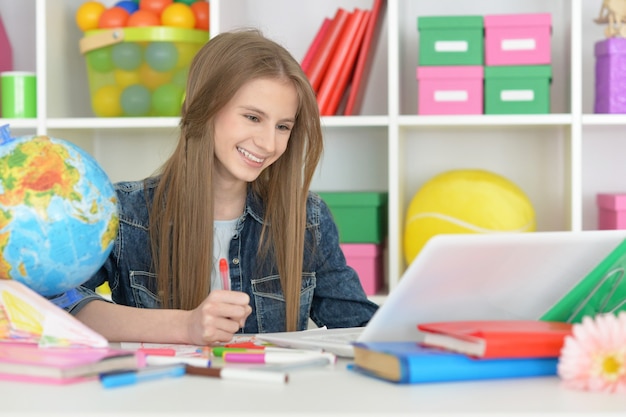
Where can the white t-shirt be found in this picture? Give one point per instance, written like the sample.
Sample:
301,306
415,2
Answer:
223,232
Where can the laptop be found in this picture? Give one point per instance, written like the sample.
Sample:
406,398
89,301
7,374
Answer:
505,276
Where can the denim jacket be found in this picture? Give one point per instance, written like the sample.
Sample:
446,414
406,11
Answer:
331,293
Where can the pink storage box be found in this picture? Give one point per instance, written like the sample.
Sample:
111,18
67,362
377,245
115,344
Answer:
611,211
367,260
6,53
518,39
450,90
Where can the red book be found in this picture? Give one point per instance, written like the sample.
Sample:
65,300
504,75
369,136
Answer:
324,53
308,57
341,67
364,60
498,338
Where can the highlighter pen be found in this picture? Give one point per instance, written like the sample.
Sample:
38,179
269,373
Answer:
173,360
150,373
285,367
218,351
276,357
239,374
157,351
224,274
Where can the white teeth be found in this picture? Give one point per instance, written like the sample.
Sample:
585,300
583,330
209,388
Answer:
249,155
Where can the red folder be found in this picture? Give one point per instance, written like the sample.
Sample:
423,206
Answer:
364,61
308,57
342,65
324,53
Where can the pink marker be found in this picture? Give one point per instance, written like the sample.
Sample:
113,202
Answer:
224,274
157,351
277,357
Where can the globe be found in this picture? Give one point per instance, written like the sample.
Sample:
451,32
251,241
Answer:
58,214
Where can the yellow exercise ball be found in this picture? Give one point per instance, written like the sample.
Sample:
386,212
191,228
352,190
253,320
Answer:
465,201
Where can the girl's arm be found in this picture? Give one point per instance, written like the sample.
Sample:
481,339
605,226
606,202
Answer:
219,316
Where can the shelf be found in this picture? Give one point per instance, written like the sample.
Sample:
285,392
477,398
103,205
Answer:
604,119
113,123
355,121
487,120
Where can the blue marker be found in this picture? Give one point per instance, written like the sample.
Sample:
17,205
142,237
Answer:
119,379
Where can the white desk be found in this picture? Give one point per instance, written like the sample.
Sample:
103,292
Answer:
311,391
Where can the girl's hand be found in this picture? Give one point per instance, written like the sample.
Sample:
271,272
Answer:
219,317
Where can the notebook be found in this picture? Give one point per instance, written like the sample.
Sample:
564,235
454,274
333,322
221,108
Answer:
514,276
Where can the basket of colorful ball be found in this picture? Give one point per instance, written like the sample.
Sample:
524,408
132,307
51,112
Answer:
138,54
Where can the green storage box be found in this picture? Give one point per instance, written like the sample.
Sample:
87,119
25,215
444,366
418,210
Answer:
518,89
450,40
361,216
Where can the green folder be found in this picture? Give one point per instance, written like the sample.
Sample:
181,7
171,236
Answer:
602,291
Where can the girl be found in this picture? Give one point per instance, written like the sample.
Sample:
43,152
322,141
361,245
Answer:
235,188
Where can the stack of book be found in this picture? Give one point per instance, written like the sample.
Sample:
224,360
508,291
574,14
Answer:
338,59
41,343
467,350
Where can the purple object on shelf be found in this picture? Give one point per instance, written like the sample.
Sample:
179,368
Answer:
610,76
6,52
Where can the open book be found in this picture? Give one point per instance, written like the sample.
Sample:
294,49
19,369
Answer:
27,317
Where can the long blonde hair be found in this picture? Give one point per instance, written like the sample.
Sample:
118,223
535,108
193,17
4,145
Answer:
181,216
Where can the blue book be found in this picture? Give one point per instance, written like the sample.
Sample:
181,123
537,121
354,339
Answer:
411,363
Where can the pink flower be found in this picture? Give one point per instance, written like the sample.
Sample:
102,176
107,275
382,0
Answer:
593,358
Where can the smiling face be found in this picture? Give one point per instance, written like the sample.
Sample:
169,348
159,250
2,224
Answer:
252,131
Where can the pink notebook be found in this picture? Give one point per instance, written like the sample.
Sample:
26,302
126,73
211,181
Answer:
55,365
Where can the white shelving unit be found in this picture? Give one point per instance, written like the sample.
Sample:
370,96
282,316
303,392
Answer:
561,160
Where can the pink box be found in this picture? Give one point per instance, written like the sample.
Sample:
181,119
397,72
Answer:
450,90
518,39
367,260
6,53
611,211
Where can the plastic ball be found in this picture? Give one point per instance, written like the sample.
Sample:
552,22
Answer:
180,77
161,56
88,15
156,6
190,2
178,15
100,60
465,201
130,6
105,101
135,100
201,11
151,78
125,78
114,17
143,18
167,99
186,52
126,55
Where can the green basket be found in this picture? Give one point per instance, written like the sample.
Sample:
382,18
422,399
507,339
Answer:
139,71
361,216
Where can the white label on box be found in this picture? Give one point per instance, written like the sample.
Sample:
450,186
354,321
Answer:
518,45
451,95
517,95
451,46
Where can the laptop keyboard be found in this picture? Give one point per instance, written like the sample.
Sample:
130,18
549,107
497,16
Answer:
346,336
